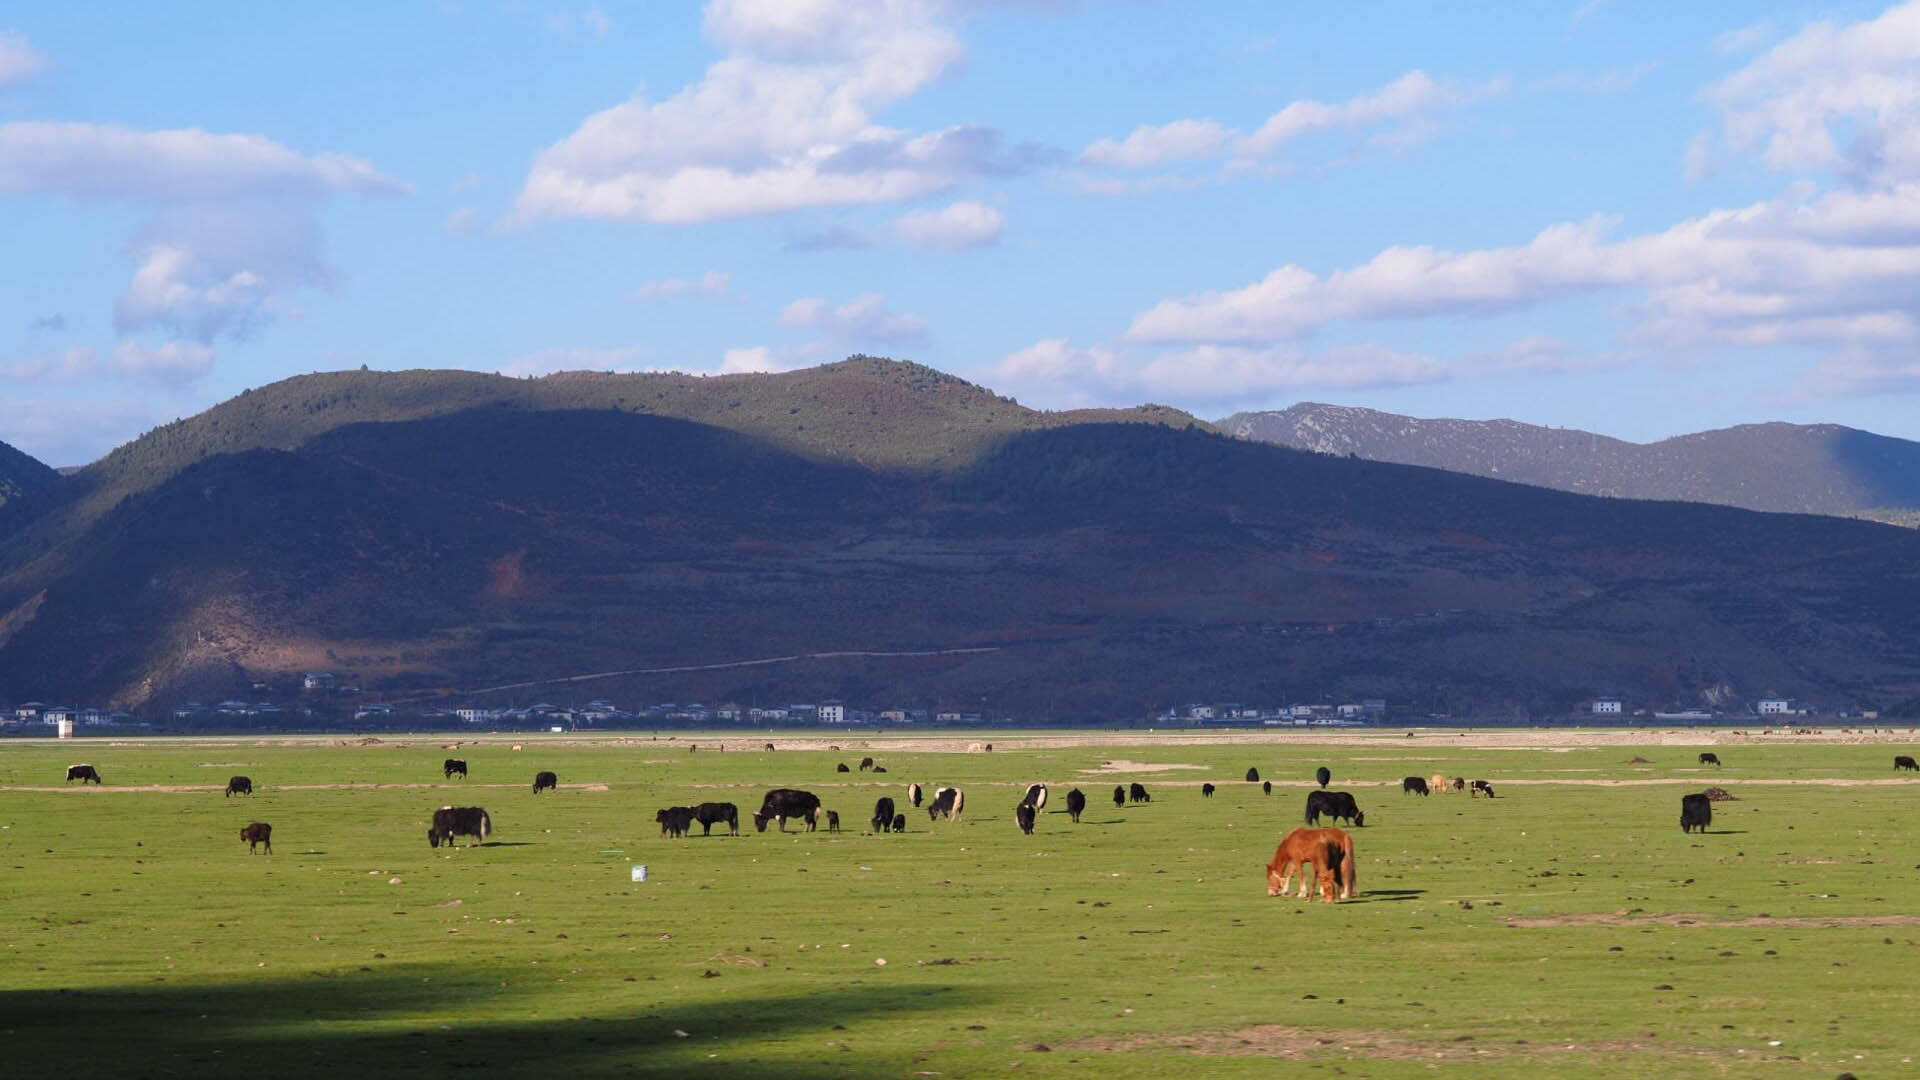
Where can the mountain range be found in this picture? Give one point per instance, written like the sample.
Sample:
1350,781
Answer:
419,533
1791,468
22,474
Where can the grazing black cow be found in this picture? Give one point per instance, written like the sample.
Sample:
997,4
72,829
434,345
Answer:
833,821
842,767
1482,786
258,833
947,803
674,820
1709,759
1119,795
1905,762
1413,785
1076,803
913,795
879,768
866,763
1696,812
882,814
784,803
453,765
239,785
1337,805
452,821
1323,774
1137,792
899,823
769,746
1023,814
82,773
1206,791
1253,776
709,814
1035,797
1266,787
545,781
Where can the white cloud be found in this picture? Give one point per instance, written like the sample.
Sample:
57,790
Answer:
1056,372
1148,146
18,60
1857,81
210,272
58,365
711,283
862,319
960,227
62,431
784,121
112,163
171,362
760,359
460,221
1744,39
1410,101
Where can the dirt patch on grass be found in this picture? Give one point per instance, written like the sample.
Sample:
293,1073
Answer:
1280,1041
1122,765
1786,922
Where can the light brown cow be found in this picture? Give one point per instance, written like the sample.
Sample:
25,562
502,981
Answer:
1439,783
1329,852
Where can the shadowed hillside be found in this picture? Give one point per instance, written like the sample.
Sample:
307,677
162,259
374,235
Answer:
1111,566
1818,469
21,474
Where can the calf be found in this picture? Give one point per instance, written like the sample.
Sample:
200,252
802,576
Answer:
1696,812
239,785
1480,786
453,765
913,796
1266,787
784,803
1337,805
947,803
1710,759
674,820
709,814
1023,815
899,823
452,821
545,781
1413,785
1119,795
879,768
1035,797
1323,774
1206,791
833,821
1137,792
1904,762
1076,803
882,814
258,833
82,773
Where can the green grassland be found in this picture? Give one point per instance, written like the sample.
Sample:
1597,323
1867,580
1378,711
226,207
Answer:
1566,928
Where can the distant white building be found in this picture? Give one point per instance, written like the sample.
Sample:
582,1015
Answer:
1200,712
317,680
833,712
474,715
1606,706
1775,707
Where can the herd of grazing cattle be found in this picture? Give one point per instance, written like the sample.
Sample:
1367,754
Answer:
1322,858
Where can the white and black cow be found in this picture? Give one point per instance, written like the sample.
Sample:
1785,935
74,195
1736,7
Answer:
1023,815
947,803
1481,787
452,821
82,773
913,796
1696,812
451,766
1035,797
784,803
1710,759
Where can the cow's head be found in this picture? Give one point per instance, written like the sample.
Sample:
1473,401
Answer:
433,837
759,823
1359,818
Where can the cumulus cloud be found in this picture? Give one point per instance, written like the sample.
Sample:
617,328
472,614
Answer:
172,362
1057,372
711,283
211,272
862,319
58,365
1405,106
960,227
18,60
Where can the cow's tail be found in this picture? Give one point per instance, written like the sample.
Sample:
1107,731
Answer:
959,802
1350,872
486,825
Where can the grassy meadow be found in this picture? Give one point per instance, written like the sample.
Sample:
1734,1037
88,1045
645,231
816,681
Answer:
1566,928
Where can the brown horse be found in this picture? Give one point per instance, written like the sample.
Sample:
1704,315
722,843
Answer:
1330,854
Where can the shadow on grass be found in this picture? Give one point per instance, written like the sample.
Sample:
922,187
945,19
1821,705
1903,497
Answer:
1385,896
425,1020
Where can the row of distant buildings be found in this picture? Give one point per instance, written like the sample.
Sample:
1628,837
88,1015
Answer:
1780,707
606,713
1366,711
39,713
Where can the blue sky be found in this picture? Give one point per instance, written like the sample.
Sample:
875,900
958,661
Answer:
1640,219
